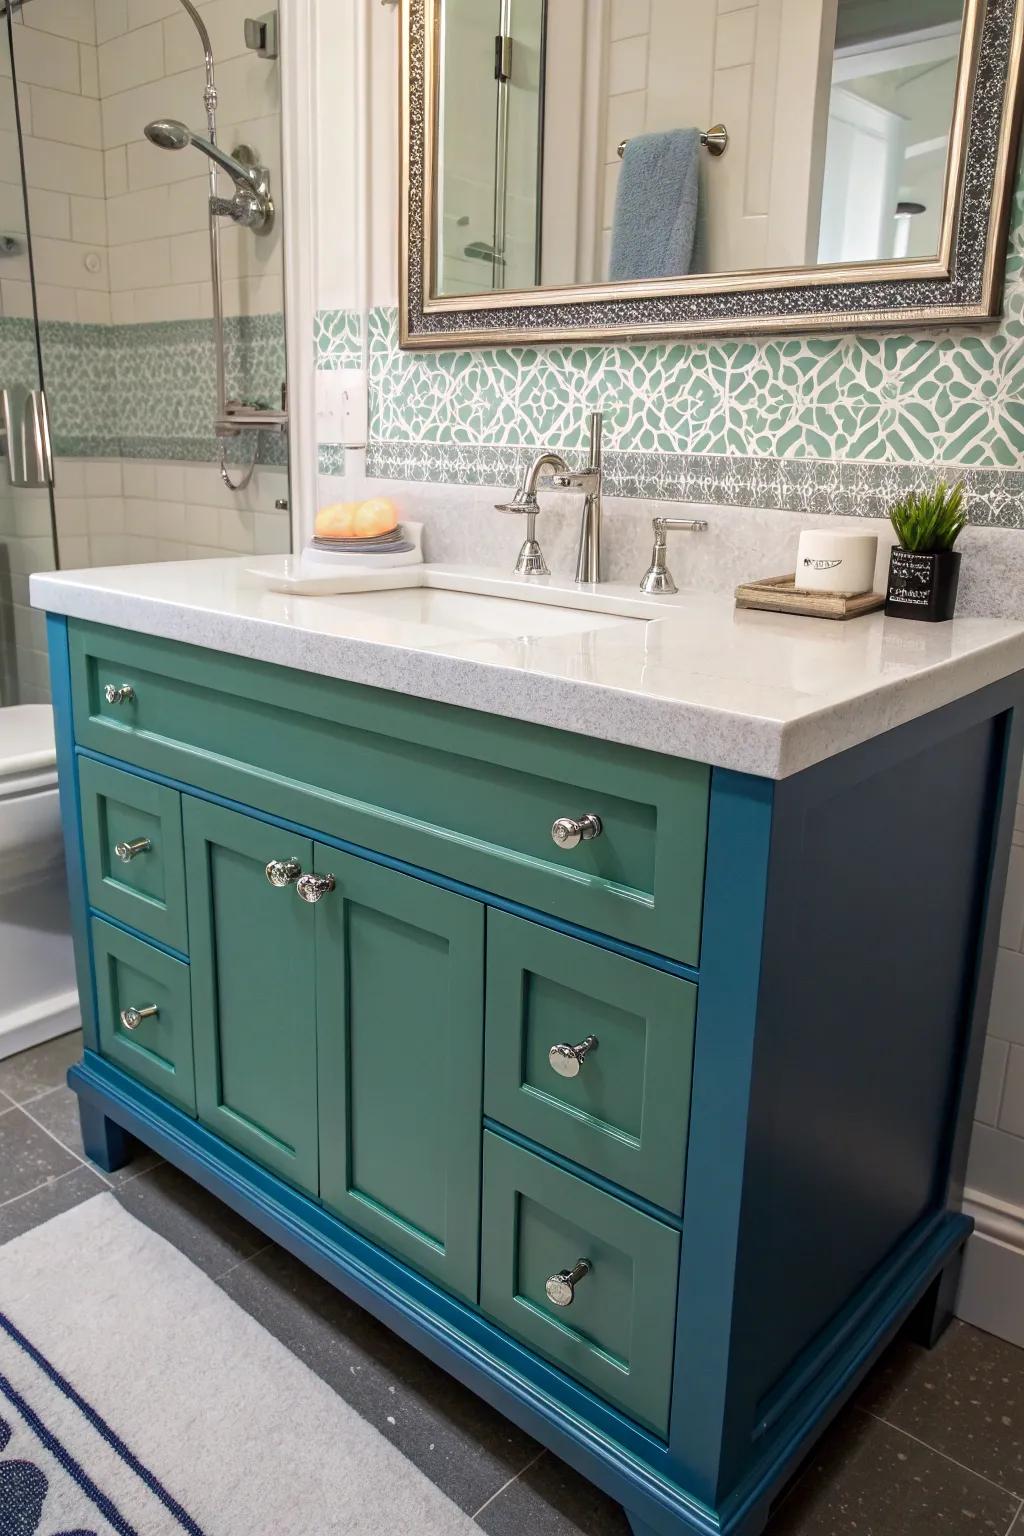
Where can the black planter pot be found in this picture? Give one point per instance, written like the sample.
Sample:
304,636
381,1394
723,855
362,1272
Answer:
922,586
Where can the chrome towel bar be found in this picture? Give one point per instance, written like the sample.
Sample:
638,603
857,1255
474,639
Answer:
715,141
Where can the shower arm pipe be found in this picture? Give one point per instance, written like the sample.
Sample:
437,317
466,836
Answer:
210,101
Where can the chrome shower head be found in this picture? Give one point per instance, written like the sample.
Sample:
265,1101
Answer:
168,133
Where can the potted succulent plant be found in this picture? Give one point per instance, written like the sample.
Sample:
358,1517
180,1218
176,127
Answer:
924,568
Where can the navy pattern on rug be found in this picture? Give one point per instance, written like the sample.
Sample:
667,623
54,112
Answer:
63,1470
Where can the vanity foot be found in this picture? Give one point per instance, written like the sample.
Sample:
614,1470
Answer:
934,1312
105,1142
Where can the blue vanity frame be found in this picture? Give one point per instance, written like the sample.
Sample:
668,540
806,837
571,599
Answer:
849,938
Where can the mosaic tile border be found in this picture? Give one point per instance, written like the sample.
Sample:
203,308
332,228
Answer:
330,459
147,391
338,339
824,487
995,93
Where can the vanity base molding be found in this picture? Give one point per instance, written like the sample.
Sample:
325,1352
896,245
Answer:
610,1450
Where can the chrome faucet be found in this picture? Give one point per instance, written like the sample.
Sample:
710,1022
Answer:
589,481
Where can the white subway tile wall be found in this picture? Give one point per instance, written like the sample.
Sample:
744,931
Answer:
120,236
997,1150
131,511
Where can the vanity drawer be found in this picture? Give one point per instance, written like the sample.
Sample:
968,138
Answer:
625,1112
134,859
470,795
157,1047
617,1333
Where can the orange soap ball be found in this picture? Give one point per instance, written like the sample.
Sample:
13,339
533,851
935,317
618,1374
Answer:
357,519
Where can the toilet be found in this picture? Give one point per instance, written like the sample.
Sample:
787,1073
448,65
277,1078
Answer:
38,998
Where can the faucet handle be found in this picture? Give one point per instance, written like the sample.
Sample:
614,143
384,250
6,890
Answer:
531,560
658,580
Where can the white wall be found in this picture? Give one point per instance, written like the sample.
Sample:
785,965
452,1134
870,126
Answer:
151,65
120,236
56,56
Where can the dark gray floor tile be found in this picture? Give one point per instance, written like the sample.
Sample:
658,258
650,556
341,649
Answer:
462,1445
28,1156
50,1199
867,1477
550,1499
965,1397
36,1071
32,1072
58,1112
200,1226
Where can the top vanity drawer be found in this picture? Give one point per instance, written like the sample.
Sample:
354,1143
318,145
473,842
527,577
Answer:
470,795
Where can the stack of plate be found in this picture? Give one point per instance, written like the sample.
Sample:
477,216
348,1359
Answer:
394,543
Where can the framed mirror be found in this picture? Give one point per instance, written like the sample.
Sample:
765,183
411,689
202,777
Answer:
616,169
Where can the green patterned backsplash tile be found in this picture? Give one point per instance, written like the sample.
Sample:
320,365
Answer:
834,424
148,391
331,459
337,337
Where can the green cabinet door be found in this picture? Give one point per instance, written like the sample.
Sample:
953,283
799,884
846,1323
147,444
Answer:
400,981
131,833
144,1012
582,1278
253,990
624,1110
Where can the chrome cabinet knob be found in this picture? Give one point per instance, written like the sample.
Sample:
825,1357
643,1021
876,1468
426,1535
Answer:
131,1018
560,1289
315,887
128,851
570,831
119,693
567,1060
281,872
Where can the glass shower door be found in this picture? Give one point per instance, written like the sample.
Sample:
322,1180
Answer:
28,540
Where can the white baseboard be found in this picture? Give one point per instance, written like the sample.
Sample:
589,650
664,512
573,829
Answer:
39,1021
992,1287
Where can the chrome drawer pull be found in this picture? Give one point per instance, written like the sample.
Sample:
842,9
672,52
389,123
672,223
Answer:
567,1060
315,887
560,1289
570,831
119,693
131,1018
128,851
282,872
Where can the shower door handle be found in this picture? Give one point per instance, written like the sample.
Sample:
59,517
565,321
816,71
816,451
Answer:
27,442
43,434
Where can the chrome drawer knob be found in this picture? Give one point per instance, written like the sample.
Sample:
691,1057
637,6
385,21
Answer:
560,1289
315,887
570,831
567,1060
119,693
128,851
131,1018
282,872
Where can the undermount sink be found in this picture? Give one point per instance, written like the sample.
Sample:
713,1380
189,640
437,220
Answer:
432,617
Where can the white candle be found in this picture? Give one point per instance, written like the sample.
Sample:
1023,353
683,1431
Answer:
836,562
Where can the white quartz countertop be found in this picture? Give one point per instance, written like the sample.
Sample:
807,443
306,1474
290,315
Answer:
761,693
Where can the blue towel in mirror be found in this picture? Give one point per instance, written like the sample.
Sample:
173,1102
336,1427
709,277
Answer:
656,209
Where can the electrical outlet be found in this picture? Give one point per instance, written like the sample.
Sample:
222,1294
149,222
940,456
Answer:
342,407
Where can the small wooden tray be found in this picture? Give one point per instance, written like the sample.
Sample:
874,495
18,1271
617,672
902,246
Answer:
780,594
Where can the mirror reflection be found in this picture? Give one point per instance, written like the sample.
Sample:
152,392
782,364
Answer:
592,141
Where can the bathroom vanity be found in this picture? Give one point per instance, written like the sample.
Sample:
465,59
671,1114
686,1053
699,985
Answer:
597,999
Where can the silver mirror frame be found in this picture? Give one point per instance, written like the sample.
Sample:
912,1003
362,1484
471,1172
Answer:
963,284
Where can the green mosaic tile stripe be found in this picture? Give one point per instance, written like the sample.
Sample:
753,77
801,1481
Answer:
331,459
337,336
147,390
